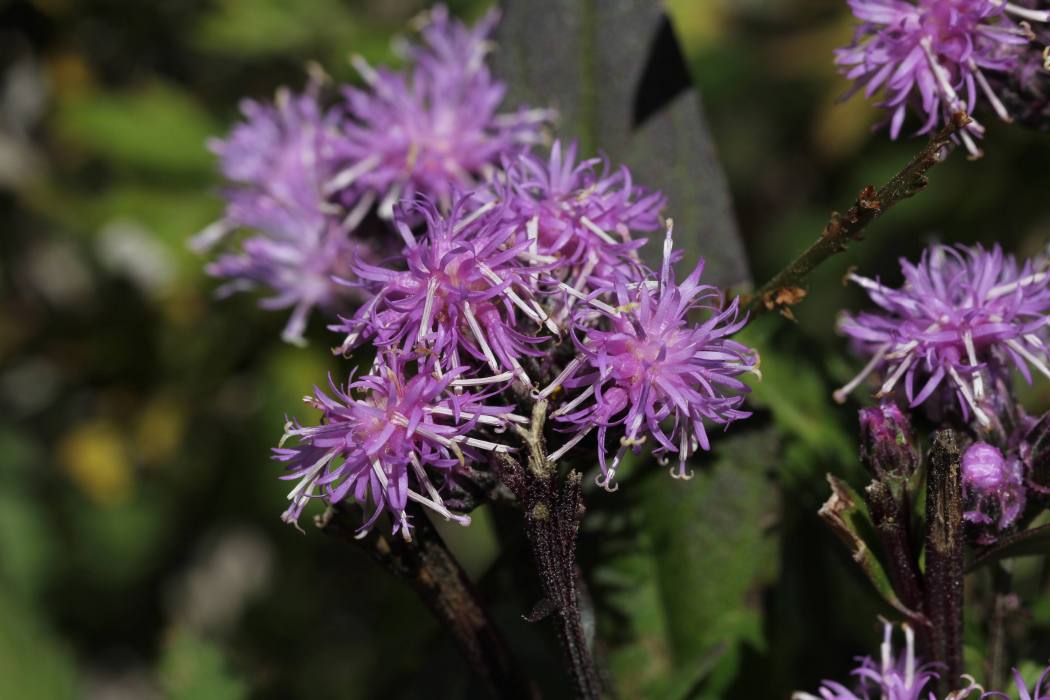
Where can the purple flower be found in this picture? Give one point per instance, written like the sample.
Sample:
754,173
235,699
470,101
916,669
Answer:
1040,691
433,129
993,485
892,677
646,370
386,439
961,318
932,55
460,299
578,218
277,161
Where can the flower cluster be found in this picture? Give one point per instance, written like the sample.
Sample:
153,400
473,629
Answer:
507,271
962,319
904,677
932,56
305,178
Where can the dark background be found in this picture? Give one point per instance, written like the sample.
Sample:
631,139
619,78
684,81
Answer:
141,553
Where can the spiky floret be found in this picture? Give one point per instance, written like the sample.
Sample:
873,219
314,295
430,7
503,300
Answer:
963,316
646,370
385,439
933,56
277,161
433,128
577,215
461,298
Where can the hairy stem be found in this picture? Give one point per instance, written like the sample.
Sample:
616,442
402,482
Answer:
553,508
429,567
944,557
786,288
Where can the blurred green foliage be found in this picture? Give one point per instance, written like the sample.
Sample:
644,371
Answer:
140,550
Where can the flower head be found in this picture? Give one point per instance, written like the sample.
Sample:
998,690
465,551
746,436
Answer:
933,55
460,299
962,317
645,369
432,129
893,677
994,488
1040,691
579,217
277,161
386,439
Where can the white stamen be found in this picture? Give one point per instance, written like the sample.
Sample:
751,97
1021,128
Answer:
483,418
597,231
346,177
583,297
562,410
562,376
1023,352
971,352
358,213
428,308
840,394
480,381
480,337
473,216
211,235
996,292
1023,12
367,72
557,454
386,207
888,385
997,104
964,389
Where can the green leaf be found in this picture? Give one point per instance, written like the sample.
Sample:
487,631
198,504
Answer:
847,515
33,664
714,548
194,669
158,128
616,75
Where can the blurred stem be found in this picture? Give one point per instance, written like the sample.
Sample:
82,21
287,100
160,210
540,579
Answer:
1003,604
944,557
429,567
786,288
553,508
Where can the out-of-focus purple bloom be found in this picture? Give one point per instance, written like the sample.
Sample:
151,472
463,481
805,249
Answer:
431,130
963,315
994,488
646,369
278,160
386,439
1040,691
892,677
460,299
932,55
578,218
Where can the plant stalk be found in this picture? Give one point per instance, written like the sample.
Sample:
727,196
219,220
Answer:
427,565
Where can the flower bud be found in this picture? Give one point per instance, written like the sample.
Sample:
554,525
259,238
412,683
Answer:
886,446
994,489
